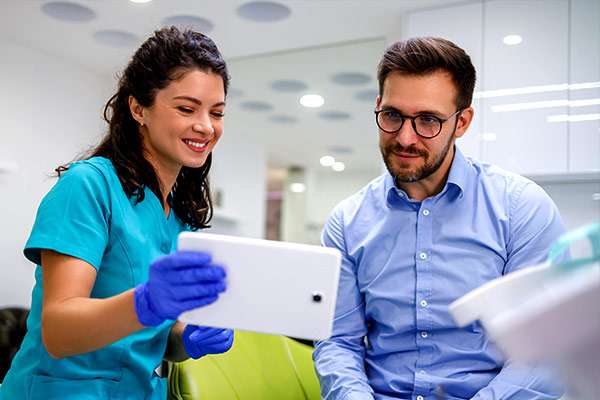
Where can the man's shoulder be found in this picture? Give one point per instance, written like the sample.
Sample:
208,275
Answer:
371,193
494,177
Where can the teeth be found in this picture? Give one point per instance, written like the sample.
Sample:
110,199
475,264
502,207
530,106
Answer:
195,144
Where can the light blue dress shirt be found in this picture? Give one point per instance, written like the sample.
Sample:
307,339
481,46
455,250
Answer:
405,261
87,215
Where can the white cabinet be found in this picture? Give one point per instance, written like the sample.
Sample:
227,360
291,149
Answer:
526,93
584,136
525,141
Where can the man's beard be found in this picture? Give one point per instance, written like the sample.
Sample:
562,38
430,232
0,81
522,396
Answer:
427,169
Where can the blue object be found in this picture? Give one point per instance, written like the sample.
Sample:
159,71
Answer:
201,340
405,261
178,282
87,215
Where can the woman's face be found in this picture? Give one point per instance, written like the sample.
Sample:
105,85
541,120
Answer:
185,122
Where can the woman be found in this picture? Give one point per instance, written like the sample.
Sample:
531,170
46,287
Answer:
106,294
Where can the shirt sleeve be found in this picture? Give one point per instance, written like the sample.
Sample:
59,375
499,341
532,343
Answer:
73,218
339,360
535,224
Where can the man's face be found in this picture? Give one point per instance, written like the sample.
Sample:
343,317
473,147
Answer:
407,156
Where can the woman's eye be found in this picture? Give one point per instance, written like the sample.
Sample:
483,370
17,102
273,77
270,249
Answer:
218,114
185,110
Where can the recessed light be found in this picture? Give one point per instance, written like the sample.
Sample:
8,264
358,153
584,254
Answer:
283,119
312,100
338,166
67,11
297,187
351,78
263,11
190,22
327,161
596,196
512,40
140,1
288,85
334,115
256,105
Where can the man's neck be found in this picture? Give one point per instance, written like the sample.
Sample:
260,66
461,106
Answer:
433,184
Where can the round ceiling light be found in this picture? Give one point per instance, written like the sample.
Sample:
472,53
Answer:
312,100
256,105
512,40
297,187
67,11
192,22
263,11
351,78
338,166
334,115
327,161
288,85
282,119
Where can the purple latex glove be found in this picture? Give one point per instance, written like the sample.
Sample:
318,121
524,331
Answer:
176,283
202,340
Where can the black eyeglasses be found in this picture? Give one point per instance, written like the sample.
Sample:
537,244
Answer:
425,125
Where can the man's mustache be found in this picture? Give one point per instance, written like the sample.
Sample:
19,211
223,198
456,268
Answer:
397,148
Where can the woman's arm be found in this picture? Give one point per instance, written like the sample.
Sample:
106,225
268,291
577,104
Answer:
72,322
175,351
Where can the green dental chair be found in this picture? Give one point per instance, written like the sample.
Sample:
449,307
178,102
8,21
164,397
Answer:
258,366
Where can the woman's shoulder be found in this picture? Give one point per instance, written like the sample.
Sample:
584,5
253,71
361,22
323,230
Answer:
91,169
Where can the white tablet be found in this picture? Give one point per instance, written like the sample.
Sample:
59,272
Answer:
272,287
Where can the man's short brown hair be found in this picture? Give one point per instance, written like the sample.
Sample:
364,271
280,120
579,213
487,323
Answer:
425,55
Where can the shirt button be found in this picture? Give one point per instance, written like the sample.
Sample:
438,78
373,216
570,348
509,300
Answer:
426,212
422,372
423,303
419,397
424,334
423,256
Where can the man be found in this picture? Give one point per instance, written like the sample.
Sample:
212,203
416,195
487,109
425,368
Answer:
432,228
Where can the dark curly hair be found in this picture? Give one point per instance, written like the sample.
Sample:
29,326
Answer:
162,58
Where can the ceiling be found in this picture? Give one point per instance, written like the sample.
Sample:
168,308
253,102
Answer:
316,41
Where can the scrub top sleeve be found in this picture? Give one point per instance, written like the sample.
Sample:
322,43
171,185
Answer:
74,217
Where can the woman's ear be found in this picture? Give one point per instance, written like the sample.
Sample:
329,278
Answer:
136,109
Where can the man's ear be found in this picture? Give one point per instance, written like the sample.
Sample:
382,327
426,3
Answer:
136,109
464,120
377,102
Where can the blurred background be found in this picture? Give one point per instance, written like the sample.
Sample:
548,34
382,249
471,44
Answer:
285,160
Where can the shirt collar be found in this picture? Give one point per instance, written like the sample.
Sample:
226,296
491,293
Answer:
457,178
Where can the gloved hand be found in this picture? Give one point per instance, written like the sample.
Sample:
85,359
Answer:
177,282
199,341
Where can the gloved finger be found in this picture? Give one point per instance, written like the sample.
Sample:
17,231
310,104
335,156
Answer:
182,259
190,304
212,335
222,347
196,274
219,340
187,292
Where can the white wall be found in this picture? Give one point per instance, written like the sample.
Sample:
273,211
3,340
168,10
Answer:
239,170
325,189
49,112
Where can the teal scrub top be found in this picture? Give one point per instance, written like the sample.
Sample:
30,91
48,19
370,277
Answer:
87,215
